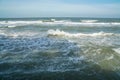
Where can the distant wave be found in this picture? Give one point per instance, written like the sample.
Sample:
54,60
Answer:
18,23
18,34
12,26
62,33
59,22
89,21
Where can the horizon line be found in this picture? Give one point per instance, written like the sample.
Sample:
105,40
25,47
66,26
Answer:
55,17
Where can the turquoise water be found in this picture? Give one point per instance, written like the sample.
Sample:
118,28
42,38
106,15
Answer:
60,49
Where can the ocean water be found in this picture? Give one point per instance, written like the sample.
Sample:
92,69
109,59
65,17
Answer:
60,49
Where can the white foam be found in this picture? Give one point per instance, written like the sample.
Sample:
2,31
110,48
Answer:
24,22
18,34
111,57
2,22
87,24
12,26
18,23
2,32
89,21
117,50
53,20
66,34
76,59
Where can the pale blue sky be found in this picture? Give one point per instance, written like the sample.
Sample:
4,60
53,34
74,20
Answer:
60,8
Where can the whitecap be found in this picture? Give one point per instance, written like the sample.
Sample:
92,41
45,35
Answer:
12,26
57,32
18,23
61,22
2,32
19,34
89,21
117,50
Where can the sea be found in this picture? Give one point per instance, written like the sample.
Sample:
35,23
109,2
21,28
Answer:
60,48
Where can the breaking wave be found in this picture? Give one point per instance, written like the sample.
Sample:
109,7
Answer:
117,50
19,34
60,22
66,34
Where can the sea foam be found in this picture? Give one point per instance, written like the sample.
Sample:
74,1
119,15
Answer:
60,22
117,50
67,34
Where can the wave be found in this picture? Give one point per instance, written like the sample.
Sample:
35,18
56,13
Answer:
56,32
117,50
59,22
18,23
18,34
89,21
12,26
66,34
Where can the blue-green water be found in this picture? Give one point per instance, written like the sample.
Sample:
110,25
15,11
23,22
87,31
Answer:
60,49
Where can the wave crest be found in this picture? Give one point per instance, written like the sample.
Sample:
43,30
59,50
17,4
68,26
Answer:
89,21
57,32
60,22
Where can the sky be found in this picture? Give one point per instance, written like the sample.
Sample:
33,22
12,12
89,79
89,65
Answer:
59,8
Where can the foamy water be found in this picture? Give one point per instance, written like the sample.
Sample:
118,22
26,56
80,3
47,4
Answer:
59,22
57,32
86,49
